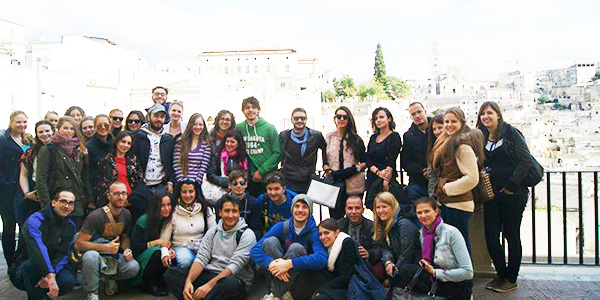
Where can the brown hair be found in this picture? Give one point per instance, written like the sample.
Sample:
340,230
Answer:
496,108
62,120
330,224
391,125
186,140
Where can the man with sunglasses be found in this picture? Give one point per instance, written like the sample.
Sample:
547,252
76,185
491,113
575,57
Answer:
299,148
116,121
41,266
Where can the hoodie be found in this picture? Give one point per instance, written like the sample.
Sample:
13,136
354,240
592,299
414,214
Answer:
308,237
219,250
262,146
187,228
277,212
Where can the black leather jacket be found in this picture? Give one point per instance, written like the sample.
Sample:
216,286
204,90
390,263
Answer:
300,168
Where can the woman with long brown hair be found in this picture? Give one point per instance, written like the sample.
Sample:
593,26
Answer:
224,122
191,155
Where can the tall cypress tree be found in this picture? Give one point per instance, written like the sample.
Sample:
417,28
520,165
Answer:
379,66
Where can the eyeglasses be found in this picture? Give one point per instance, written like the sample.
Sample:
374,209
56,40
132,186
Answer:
102,125
225,119
117,194
131,121
241,183
342,117
117,118
299,119
64,202
160,94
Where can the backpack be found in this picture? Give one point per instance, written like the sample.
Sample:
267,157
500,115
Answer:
239,233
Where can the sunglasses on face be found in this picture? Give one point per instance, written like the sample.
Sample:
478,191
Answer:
117,118
103,126
341,117
241,183
299,119
130,121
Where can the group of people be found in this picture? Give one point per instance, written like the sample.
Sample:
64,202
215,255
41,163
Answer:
172,206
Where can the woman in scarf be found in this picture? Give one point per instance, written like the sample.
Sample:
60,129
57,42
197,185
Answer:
224,122
229,155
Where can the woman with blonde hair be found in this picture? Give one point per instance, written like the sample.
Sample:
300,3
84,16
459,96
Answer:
456,157
397,234
176,126
192,151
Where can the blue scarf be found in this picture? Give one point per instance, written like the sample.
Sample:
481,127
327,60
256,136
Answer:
296,138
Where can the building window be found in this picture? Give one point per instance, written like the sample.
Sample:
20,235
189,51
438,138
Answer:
226,70
287,68
268,68
247,69
255,69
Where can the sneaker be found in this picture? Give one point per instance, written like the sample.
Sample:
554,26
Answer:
270,297
287,296
92,296
494,283
505,287
111,287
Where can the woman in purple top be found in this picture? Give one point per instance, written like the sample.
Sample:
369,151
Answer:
192,151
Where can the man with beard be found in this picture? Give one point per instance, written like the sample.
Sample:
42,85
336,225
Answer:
159,96
153,148
299,148
104,239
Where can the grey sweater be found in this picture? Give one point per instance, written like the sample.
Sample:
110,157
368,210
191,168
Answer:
219,250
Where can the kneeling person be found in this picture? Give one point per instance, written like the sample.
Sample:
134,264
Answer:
41,266
221,269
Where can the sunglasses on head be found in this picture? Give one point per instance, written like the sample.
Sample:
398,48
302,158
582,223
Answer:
241,183
342,117
130,121
117,118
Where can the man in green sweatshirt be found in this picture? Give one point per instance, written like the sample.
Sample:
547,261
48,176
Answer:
262,145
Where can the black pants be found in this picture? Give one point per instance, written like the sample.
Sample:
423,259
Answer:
504,214
447,289
153,273
9,226
26,276
339,211
229,287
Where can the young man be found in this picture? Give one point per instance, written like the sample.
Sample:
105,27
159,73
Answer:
116,121
299,148
159,96
262,145
250,207
278,201
292,249
41,266
104,239
413,156
153,148
221,269
360,230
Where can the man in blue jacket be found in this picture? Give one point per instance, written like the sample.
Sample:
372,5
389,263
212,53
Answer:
41,266
290,250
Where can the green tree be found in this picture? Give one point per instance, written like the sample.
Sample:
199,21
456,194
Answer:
396,88
596,77
379,65
328,96
372,90
344,88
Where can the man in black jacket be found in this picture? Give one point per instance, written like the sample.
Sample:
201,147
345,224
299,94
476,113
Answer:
413,158
153,148
299,148
41,266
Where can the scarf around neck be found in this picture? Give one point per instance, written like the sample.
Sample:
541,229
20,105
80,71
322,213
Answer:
335,250
300,138
429,240
225,155
70,145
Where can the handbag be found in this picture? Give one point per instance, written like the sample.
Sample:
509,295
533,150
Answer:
324,190
364,285
407,293
211,192
483,192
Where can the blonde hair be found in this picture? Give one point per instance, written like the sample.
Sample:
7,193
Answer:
26,138
382,228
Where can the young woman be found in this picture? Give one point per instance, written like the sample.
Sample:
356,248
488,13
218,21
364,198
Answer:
224,122
86,126
13,142
118,165
76,113
346,157
192,218
398,235
192,151
176,126
146,244
436,127
52,116
456,157
134,121
508,159
343,256
383,150
31,203
445,257
229,156
99,146
63,163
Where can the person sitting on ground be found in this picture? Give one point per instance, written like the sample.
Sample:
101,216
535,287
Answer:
104,241
41,265
221,269
277,201
293,254
250,207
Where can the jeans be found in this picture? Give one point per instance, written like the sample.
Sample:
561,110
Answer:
90,267
184,257
415,191
459,219
26,276
229,287
504,214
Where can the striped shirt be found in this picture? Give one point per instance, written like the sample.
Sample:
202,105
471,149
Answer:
198,160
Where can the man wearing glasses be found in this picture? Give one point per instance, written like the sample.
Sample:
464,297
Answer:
159,95
41,266
104,239
299,148
116,121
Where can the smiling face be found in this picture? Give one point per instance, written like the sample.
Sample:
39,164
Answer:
225,122
327,237
44,133
381,120
175,112
451,124
438,128
299,120
489,118
165,207
159,96
67,129
341,119
87,128
76,114
18,124
231,144
275,192
116,119
123,146
157,120
238,186
198,126
133,122
251,112
300,211
117,195
230,214
384,211
102,127
65,203
426,214
188,193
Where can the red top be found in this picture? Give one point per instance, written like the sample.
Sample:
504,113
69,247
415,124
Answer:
122,173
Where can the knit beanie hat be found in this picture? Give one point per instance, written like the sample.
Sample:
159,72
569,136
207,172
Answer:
304,198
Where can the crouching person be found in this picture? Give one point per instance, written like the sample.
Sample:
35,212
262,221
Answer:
41,266
104,241
292,253
221,269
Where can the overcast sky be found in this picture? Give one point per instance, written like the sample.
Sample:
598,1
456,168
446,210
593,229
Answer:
483,38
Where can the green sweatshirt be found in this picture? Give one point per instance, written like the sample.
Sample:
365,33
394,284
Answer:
262,146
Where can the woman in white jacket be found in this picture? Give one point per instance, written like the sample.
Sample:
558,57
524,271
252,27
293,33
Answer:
190,221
